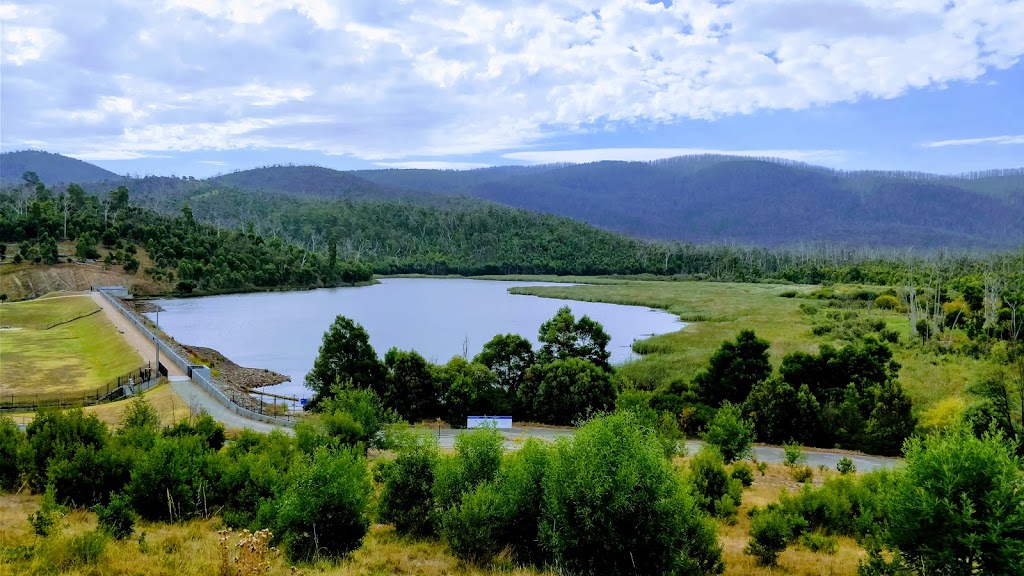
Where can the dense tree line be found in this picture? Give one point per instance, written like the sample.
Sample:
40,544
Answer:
846,398
479,238
568,379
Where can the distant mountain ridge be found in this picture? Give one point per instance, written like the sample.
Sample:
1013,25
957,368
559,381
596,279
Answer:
700,199
51,168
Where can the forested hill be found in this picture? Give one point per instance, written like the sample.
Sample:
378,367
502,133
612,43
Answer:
318,182
700,199
51,168
753,201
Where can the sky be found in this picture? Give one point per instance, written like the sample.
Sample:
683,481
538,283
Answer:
200,87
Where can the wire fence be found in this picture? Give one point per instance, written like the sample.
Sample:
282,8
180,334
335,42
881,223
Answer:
131,382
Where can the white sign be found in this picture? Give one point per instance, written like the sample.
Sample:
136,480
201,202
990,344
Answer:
489,422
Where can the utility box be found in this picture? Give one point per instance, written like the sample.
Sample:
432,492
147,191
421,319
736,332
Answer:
500,422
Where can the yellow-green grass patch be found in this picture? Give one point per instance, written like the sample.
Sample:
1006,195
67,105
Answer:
77,357
165,401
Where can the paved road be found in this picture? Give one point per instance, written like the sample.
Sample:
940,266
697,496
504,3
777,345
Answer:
770,454
201,401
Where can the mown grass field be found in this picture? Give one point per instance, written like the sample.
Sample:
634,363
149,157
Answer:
76,357
718,311
191,548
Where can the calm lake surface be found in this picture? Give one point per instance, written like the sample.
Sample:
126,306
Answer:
282,331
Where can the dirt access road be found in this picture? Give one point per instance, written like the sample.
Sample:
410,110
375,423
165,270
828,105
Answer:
770,454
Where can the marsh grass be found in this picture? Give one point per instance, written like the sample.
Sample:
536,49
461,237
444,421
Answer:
717,311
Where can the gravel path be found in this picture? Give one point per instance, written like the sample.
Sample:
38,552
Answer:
770,454
131,334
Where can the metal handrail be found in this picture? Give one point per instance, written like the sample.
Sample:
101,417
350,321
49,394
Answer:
208,384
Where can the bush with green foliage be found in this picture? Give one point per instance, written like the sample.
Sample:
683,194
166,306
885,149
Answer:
957,507
476,460
771,532
57,435
571,389
255,474
178,478
117,518
203,427
46,521
407,485
613,505
89,475
712,484
14,448
793,454
730,433
741,471
846,466
322,513
734,369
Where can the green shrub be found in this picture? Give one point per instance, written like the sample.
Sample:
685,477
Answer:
55,435
711,482
178,478
887,302
328,430
46,520
520,488
13,451
730,433
741,471
472,526
818,542
254,476
793,454
762,467
407,484
846,466
612,505
958,507
116,518
322,513
476,460
204,427
771,532
89,475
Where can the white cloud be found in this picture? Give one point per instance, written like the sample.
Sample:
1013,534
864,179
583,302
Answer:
1016,139
428,78
647,154
213,162
431,165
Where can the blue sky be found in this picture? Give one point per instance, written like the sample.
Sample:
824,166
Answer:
198,87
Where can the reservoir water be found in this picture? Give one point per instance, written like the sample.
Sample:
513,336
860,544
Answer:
439,318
